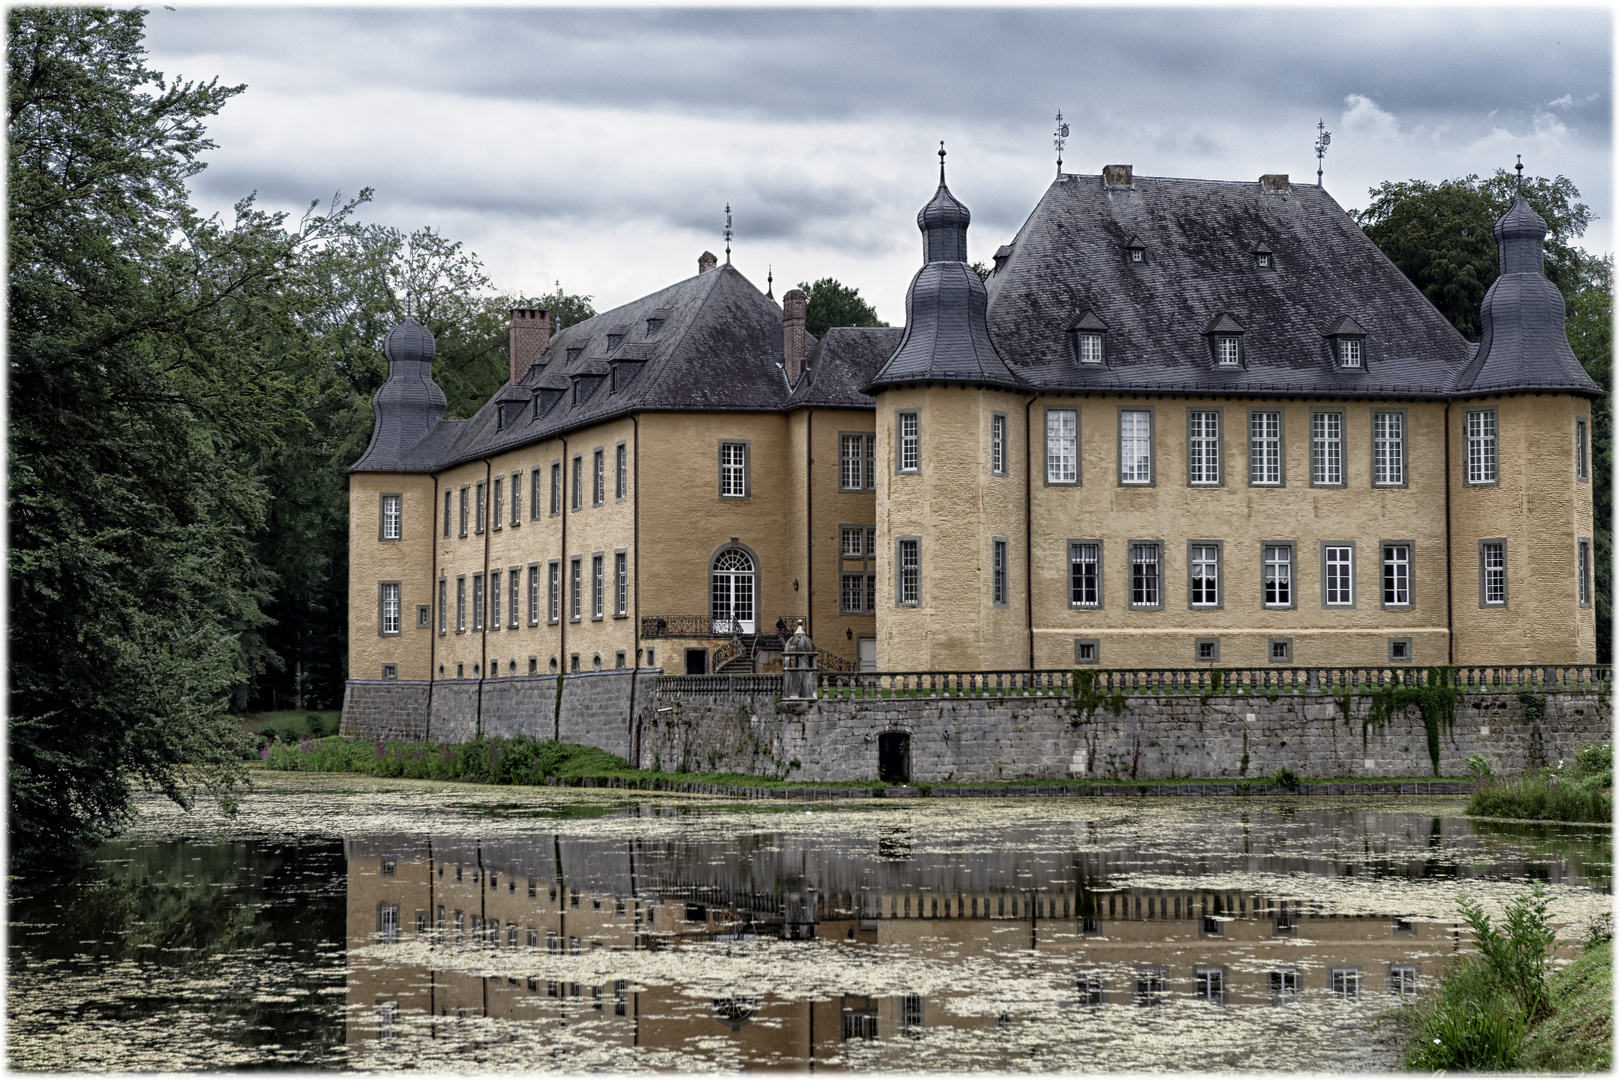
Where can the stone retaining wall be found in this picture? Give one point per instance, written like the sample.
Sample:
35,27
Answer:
970,739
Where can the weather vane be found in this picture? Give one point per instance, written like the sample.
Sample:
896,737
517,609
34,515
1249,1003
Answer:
942,161
1518,160
728,234
1060,133
1323,137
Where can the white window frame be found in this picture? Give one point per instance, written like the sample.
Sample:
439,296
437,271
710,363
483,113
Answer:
1493,590
1583,568
495,584
908,442
1327,448
598,476
478,602
598,585
1228,350
621,584
1350,352
1204,447
1136,473
462,508
1338,557
998,444
856,450
1089,347
1270,565
1063,447
1480,447
497,503
461,603
1389,448
390,509
1085,588
1395,575
534,593
1145,583
514,578
908,571
621,472
444,606
556,488
517,497
554,590
388,608
534,493
734,468
479,508
576,500
447,513
576,586
1204,555
1266,464
1583,466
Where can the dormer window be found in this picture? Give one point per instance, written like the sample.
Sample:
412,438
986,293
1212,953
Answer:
1225,341
1135,250
574,351
1088,332
1263,258
653,326
1347,344
1136,254
613,341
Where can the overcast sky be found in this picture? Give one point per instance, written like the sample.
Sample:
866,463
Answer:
599,147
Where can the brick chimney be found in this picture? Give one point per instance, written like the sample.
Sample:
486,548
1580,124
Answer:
706,262
793,304
530,334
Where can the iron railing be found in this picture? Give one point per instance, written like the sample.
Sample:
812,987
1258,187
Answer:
701,626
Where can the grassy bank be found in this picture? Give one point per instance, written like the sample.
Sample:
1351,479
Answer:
1502,1008
522,760
291,725
1582,790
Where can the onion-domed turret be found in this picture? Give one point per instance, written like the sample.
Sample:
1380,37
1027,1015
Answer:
947,339
1523,343
409,403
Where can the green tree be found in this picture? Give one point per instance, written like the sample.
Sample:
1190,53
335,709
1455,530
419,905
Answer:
147,363
1440,236
829,303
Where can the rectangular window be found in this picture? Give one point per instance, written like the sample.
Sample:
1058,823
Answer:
1327,449
1265,448
998,573
596,587
574,584
1226,350
621,471
598,478
853,594
908,445
534,594
512,578
998,444
1145,579
851,543
1480,430
1493,573
447,513
1062,458
1397,575
1403,979
461,605
556,488
1203,447
578,480
1091,348
554,592
1203,575
621,583
517,498
908,579
478,601
1338,575
1349,352
389,529
478,507
1389,449
444,606
494,599
1085,574
534,494
855,456
1209,984
1583,571
733,470
462,507
497,515
388,608
1277,576
1283,982
1345,982
1135,446
1581,470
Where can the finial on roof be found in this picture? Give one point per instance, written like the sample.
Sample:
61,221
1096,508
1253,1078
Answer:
728,234
1323,137
768,280
1059,133
942,161
1519,164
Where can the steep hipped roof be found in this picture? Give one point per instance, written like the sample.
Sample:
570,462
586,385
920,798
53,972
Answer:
1524,345
843,361
717,348
1201,237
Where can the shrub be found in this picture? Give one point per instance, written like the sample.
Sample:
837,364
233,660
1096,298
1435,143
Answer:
1285,778
1515,953
1459,1034
1479,767
1541,799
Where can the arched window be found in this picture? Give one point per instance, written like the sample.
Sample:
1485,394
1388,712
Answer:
731,593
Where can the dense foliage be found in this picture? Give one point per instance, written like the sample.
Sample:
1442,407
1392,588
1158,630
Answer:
829,303
1441,238
1582,791
517,760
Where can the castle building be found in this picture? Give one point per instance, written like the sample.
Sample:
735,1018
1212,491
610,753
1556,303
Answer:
1182,423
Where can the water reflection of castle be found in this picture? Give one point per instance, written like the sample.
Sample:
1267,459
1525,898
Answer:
563,898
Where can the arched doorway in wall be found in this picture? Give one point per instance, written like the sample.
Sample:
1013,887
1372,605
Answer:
731,592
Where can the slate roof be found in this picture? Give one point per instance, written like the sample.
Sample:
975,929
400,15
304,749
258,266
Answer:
410,405
718,349
1200,238
843,361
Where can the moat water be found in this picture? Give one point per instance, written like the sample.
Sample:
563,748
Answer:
348,922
